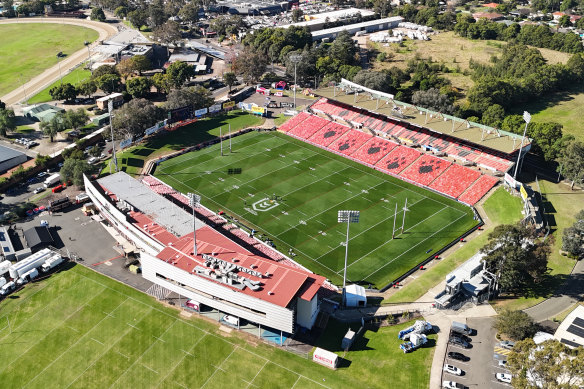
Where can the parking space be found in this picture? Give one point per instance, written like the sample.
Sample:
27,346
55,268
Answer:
481,361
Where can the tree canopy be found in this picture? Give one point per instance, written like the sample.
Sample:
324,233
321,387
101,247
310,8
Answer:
517,325
97,14
135,117
63,92
7,122
573,237
196,97
54,126
179,72
73,170
571,160
138,86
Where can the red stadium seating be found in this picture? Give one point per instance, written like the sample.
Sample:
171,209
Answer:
398,159
309,126
350,142
426,169
373,150
478,189
294,121
455,180
328,134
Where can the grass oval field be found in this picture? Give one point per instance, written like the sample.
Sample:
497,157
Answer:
26,50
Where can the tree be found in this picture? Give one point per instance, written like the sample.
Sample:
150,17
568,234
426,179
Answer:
109,83
2,104
87,88
551,365
189,13
54,126
571,162
179,72
75,118
573,237
7,122
125,67
103,70
138,17
134,117
196,97
493,116
564,21
63,92
343,48
97,14
138,86
168,33
161,82
434,100
121,11
250,64
297,15
157,15
74,169
229,79
517,325
141,63
516,256
42,160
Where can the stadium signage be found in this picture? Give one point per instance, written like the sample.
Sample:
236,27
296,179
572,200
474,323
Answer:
510,181
126,142
229,104
258,110
251,272
215,108
285,104
200,112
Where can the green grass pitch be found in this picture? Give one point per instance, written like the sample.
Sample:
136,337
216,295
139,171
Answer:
79,329
312,185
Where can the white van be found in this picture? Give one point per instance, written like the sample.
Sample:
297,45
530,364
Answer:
234,321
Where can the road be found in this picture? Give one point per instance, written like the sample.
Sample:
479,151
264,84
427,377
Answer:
50,75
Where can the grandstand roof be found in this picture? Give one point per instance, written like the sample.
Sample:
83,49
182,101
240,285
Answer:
481,135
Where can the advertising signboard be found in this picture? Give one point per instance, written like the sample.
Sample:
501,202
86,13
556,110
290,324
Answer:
228,105
258,110
200,112
215,108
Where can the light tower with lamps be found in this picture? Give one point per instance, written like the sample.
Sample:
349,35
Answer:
295,58
527,118
194,202
347,217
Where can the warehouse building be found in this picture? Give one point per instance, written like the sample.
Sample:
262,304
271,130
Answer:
10,158
222,275
352,29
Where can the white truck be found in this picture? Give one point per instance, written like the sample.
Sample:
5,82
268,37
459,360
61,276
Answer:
52,180
51,263
2,281
7,288
28,276
29,263
4,266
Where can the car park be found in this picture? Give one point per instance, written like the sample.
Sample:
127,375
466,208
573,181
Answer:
458,356
452,385
458,341
507,344
503,364
39,190
503,377
452,369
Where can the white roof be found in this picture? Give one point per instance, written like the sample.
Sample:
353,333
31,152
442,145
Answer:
355,290
571,331
541,337
326,354
332,16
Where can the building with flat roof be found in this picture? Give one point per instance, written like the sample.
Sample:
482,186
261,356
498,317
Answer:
316,21
8,252
10,158
571,330
222,275
370,26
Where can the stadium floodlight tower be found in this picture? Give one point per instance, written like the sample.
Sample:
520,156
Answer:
295,58
194,202
527,118
347,217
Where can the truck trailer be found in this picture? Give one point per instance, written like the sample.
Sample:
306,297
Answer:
52,180
4,266
52,262
31,262
28,276
57,205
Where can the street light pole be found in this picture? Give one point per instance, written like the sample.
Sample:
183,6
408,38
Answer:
347,217
295,58
194,201
88,56
527,118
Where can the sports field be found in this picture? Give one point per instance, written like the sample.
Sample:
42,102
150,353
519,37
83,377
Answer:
27,49
79,329
311,185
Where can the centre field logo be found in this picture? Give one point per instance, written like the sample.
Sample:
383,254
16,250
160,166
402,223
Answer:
264,205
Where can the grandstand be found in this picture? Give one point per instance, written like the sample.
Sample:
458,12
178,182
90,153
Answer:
402,161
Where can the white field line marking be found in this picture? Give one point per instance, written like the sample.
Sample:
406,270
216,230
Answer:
207,333
74,344
145,351
95,340
298,379
107,348
143,365
257,374
387,241
415,245
218,367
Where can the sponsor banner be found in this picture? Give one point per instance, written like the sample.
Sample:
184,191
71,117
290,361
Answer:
258,110
273,104
406,140
155,128
279,94
285,104
229,104
126,142
523,192
510,181
215,108
244,106
200,112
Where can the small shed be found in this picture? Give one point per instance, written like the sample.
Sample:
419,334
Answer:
38,238
355,296
348,340
325,358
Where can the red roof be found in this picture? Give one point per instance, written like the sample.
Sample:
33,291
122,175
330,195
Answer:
155,231
282,284
491,5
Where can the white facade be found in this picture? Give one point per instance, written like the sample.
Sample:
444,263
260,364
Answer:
217,296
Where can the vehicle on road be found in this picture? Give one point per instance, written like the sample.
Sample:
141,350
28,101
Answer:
452,369
452,385
458,341
503,377
507,344
39,190
458,356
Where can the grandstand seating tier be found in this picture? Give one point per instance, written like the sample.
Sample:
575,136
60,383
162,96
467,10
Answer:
328,134
294,121
454,181
398,159
373,150
426,169
350,142
477,190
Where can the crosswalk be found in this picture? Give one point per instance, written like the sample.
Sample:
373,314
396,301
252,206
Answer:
502,351
158,292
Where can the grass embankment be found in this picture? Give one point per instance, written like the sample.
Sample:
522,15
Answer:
30,48
74,78
132,160
80,329
500,208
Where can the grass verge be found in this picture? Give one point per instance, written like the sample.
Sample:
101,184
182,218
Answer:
74,78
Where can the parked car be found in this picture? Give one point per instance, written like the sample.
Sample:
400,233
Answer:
503,364
234,321
507,344
452,369
452,385
503,377
458,341
458,356
92,160
39,190
41,174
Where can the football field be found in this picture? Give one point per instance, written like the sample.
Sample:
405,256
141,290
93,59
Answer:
291,192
